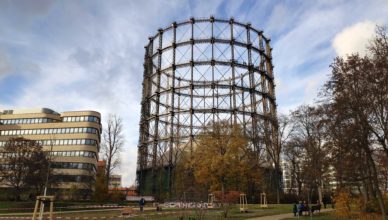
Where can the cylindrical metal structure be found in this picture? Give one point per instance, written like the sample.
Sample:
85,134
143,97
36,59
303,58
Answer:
197,72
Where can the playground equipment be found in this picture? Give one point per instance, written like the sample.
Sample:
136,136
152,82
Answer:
127,211
210,201
263,200
40,200
243,203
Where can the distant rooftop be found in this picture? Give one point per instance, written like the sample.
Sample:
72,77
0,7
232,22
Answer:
27,111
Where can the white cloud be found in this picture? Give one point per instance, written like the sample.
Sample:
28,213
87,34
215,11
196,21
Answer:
354,39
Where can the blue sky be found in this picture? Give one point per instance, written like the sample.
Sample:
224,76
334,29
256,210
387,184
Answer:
74,55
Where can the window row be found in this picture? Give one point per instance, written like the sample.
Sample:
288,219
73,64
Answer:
81,118
49,131
62,142
26,121
73,178
59,165
16,155
90,154
73,165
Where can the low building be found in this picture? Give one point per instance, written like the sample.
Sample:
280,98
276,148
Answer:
114,181
73,139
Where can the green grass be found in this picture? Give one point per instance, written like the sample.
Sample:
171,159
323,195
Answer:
234,213
170,214
11,204
28,206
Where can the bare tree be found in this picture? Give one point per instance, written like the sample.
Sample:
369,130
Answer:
24,165
293,153
112,144
274,150
310,130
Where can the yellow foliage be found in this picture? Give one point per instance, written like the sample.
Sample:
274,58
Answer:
343,202
348,206
223,159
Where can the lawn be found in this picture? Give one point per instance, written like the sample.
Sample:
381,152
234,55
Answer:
167,214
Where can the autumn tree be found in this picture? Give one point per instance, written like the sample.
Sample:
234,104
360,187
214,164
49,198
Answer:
357,92
222,159
112,144
24,165
101,193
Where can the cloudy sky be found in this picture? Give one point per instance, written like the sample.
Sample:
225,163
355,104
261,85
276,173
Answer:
88,54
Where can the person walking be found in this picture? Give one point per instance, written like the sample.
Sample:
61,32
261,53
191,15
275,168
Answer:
141,204
295,209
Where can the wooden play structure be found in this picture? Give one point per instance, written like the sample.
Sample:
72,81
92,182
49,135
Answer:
127,211
263,200
39,205
243,203
210,201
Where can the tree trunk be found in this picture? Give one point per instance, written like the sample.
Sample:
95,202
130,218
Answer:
320,188
364,195
108,167
375,183
277,183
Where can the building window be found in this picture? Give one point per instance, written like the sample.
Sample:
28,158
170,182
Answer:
49,131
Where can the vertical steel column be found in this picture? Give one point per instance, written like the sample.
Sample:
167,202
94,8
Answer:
212,63
233,83
243,105
271,91
172,109
192,21
264,80
156,143
144,123
252,90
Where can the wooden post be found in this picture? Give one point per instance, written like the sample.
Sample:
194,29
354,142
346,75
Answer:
39,201
263,200
51,209
35,209
243,203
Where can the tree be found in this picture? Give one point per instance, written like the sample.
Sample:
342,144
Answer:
38,169
112,145
292,153
357,92
24,165
378,87
310,134
275,149
222,159
101,188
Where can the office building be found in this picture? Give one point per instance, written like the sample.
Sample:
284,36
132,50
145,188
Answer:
72,138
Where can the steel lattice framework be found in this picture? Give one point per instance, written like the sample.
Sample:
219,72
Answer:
197,72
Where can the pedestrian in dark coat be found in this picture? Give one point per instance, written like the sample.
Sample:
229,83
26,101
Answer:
141,204
295,209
